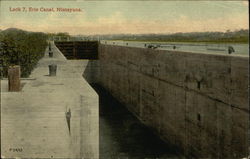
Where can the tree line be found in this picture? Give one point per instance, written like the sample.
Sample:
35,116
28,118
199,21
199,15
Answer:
236,36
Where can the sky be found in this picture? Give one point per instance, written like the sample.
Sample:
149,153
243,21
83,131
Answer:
127,17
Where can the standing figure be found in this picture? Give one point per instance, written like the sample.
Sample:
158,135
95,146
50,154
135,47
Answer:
230,49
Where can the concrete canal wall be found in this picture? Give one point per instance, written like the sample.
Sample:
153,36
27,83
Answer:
198,102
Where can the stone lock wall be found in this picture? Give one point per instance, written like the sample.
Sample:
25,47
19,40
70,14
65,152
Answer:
197,102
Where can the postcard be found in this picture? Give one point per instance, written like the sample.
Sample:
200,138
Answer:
124,79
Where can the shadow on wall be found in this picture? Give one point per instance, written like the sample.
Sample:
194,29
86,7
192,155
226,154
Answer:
91,72
121,134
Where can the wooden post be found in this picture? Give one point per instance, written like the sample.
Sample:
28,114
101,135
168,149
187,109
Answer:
14,78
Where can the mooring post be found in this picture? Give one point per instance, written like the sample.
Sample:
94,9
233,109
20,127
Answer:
14,78
52,70
50,54
49,46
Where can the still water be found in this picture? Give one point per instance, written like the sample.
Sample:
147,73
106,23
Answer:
123,136
209,48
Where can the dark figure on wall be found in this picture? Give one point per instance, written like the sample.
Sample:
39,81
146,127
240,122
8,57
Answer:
68,116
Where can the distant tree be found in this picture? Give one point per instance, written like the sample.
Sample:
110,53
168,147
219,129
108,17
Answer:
65,34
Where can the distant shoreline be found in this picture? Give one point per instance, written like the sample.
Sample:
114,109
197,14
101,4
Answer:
161,41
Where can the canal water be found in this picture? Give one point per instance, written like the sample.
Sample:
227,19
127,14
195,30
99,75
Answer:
123,136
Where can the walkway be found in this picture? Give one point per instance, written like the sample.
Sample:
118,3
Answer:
33,121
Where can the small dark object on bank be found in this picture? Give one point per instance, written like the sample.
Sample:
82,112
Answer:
152,46
230,49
